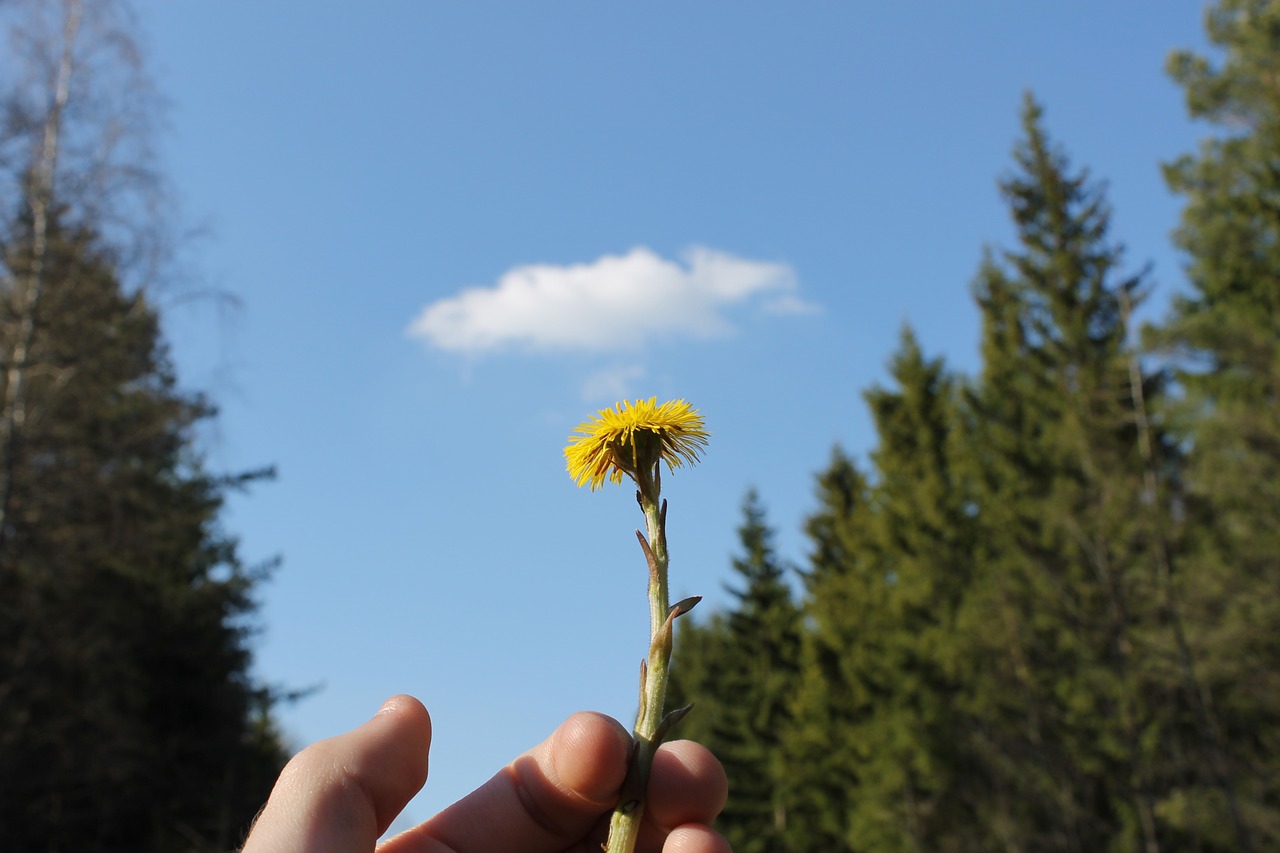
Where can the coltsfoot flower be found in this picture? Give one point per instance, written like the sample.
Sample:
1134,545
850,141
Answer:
635,439
632,439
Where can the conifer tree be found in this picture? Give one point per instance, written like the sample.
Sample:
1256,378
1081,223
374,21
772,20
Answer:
1224,337
890,560
740,671
837,647
759,660
697,664
127,720
914,789
1066,709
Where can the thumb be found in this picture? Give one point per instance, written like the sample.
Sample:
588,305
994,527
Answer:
341,794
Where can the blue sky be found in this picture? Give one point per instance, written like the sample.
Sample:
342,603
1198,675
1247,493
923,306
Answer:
457,229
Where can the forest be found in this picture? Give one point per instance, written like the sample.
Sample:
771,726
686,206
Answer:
128,720
1042,615
1039,614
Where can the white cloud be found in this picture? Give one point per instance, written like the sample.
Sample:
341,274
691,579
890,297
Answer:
612,383
614,303
789,303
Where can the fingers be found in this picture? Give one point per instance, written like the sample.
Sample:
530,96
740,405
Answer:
339,795
686,791
688,786
545,800
553,797
695,839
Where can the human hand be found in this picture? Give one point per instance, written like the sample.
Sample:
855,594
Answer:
341,794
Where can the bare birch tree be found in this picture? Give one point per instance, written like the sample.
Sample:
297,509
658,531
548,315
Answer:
77,115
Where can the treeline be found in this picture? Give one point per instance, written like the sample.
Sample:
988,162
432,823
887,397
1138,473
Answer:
1045,614
128,720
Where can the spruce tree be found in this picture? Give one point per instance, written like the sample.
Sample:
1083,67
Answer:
127,717
1078,714
890,565
740,671
1223,338
913,790
128,720
840,653
695,678
760,680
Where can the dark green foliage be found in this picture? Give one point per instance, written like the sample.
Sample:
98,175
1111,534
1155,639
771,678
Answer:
837,660
127,719
922,535
889,565
1044,618
1231,225
1224,337
1065,575
749,689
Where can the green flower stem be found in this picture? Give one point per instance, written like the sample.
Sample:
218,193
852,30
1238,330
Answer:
624,826
655,520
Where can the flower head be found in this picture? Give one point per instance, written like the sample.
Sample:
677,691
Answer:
633,438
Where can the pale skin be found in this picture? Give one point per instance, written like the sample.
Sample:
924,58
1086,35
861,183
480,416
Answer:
341,794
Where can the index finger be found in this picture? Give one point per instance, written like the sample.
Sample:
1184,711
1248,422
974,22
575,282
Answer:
339,795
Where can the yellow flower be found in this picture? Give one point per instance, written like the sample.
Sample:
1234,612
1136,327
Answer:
632,438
